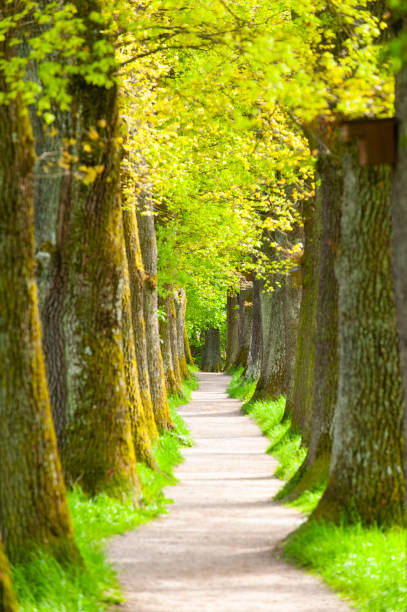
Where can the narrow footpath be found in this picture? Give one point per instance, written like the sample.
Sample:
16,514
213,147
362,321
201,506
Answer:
218,548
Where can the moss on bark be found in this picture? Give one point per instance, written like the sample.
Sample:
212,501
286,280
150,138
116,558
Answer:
98,450
137,279
33,507
148,246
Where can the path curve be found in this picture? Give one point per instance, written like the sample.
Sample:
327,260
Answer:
217,549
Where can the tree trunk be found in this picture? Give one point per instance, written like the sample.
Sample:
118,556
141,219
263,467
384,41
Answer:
232,330
256,343
97,450
244,324
180,307
33,508
137,279
211,359
399,215
49,178
141,428
166,346
273,374
148,246
8,601
366,480
188,354
292,303
171,313
299,405
315,468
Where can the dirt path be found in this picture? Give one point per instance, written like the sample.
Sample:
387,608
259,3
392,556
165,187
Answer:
216,549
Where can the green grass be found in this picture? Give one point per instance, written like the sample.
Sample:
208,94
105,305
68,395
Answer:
240,387
44,585
365,564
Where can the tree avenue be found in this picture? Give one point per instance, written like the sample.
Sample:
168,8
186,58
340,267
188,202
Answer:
203,182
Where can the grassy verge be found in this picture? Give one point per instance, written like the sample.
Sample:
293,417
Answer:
285,445
44,585
367,565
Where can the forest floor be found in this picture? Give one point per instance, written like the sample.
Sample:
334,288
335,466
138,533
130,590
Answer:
218,548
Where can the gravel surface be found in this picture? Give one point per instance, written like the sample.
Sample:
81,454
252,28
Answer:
218,547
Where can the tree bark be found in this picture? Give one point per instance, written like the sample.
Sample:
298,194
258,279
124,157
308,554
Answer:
141,427
188,354
256,343
211,359
49,179
148,246
33,507
299,405
273,374
244,324
366,480
180,307
8,601
315,468
97,449
399,217
232,330
166,346
292,303
171,313
137,279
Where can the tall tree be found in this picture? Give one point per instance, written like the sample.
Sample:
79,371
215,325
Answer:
180,308
148,244
211,358
366,480
256,342
273,371
33,507
245,322
315,468
97,448
300,398
137,279
232,329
